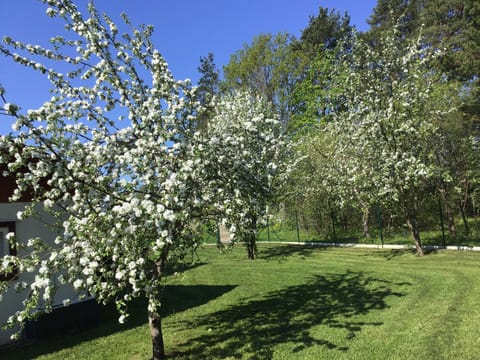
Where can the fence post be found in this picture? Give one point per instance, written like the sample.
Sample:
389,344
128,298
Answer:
268,227
440,208
380,222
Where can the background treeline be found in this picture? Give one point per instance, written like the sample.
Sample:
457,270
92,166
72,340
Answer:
385,122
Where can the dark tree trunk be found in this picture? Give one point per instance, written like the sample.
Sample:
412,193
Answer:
464,219
344,222
415,232
318,223
154,317
251,242
365,219
304,222
450,220
155,322
252,248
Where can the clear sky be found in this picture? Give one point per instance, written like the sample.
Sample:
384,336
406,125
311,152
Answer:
184,31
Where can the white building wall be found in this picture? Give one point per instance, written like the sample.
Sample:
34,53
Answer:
24,230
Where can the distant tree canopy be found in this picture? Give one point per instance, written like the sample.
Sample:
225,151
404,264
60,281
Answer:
325,30
277,65
450,25
266,67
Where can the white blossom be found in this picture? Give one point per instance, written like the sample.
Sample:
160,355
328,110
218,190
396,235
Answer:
78,283
10,108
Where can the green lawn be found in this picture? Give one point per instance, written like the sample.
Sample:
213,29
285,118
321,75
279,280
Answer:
297,302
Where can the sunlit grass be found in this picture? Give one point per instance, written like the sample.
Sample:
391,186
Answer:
297,302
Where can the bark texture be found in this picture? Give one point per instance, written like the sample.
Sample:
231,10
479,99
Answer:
365,221
252,248
451,221
158,349
415,232
464,219
251,241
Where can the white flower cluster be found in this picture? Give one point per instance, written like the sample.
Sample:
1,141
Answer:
382,149
10,109
248,148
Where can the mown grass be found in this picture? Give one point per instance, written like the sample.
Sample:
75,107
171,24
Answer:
297,302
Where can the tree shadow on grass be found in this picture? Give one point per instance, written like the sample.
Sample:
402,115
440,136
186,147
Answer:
390,254
177,298
253,329
282,252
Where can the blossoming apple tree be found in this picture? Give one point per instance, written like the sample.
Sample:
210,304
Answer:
124,170
250,154
384,144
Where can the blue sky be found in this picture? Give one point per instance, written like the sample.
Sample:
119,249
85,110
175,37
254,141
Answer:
184,31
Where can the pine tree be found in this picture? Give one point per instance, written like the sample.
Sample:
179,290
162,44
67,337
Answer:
208,86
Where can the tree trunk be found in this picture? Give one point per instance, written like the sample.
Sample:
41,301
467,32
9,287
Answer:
251,240
365,218
252,248
304,222
450,220
155,322
413,225
154,317
464,219
344,222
